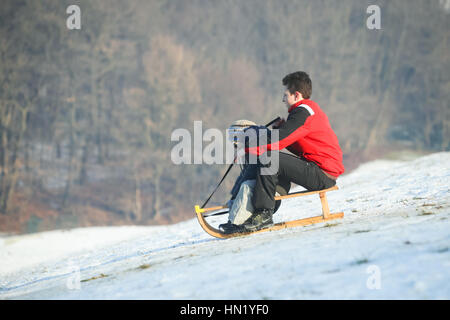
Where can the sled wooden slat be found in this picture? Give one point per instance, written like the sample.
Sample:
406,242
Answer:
291,195
324,202
210,209
305,193
326,216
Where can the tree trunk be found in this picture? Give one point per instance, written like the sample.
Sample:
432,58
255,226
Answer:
82,177
72,150
15,160
138,200
4,191
156,196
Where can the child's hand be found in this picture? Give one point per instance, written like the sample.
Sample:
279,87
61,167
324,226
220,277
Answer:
278,123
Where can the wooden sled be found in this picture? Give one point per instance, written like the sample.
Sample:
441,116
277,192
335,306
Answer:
326,216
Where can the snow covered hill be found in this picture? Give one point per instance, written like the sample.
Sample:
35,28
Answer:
393,243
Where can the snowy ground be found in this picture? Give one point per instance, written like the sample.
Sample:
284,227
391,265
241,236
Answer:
393,243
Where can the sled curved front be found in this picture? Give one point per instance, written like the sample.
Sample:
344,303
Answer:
208,228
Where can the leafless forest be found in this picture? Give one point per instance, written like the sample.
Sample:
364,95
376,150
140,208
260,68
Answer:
86,115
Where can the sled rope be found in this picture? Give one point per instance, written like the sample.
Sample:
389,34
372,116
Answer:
229,169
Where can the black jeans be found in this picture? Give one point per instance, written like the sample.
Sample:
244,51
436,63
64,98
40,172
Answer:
290,169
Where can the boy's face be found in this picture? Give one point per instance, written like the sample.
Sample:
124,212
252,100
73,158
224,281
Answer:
291,98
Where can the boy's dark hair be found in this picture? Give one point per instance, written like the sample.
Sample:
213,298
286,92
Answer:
298,81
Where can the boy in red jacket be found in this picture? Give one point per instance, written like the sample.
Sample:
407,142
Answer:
316,159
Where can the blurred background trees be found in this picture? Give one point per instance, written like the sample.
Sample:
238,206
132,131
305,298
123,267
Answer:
86,115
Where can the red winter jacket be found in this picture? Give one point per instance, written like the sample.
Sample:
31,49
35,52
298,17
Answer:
307,133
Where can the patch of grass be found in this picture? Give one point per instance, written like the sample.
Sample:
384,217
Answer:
95,278
332,271
407,242
144,266
404,155
362,231
442,250
354,210
185,256
329,225
33,224
426,213
361,261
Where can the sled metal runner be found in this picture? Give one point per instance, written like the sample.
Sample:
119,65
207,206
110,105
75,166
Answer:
326,216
